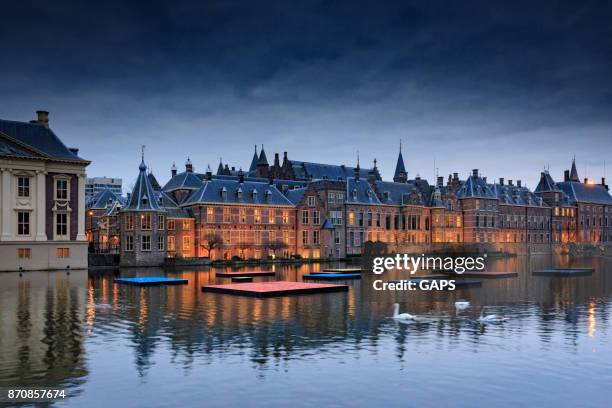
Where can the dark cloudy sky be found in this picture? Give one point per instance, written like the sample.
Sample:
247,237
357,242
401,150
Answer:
505,88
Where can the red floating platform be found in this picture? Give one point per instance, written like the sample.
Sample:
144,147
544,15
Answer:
278,288
244,273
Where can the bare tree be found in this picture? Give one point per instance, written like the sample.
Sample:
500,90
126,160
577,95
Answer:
277,246
211,241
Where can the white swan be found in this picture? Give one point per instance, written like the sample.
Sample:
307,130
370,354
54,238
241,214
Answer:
401,316
462,304
492,318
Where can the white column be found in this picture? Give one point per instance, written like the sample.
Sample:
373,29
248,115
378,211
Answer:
7,222
41,206
81,209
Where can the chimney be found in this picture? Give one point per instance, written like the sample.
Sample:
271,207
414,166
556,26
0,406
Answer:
456,176
484,179
173,170
518,183
240,177
475,173
42,118
188,165
440,181
566,175
603,183
233,169
276,160
285,159
208,175
510,183
501,181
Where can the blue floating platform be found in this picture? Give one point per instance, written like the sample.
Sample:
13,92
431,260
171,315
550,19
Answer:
332,276
563,271
151,281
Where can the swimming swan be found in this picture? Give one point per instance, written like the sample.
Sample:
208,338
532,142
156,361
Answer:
462,304
492,318
401,316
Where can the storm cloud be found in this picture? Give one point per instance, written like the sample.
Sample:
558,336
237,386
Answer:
506,87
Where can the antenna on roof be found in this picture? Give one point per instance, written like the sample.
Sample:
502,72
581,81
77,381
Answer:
400,144
357,158
142,149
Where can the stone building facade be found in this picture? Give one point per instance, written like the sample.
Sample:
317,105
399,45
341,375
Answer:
42,195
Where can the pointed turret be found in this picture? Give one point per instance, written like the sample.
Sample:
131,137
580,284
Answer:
574,172
143,196
220,168
173,170
400,175
253,165
263,160
188,165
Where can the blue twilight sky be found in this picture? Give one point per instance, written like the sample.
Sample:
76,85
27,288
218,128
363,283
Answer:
505,87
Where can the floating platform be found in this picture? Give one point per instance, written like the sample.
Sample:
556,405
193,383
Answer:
242,279
332,276
563,271
244,273
151,281
341,270
483,274
278,288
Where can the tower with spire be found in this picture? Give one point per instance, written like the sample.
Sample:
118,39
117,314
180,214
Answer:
574,171
253,165
143,229
400,175
262,164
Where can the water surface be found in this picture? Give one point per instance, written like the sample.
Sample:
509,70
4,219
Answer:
176,346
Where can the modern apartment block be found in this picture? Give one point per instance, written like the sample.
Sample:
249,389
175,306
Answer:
42,196
95,185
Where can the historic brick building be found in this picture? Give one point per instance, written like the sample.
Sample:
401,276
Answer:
295,208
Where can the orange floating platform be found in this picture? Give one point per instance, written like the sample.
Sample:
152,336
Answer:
278,288
244,273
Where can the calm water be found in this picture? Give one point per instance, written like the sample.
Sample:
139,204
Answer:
176,346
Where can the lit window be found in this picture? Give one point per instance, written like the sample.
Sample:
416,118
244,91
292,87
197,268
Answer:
257,216
210,214
171,225
271,217
243,218
186,225
23,186
186,243
304,237
227,215
305,217
351,218
24,253
63,252
129,223
171,245
285,217
23,223
145,222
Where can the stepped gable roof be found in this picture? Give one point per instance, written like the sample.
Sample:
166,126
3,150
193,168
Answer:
33,140
318,171
143,197
232,191
360,192
585,193
184,181
296,195
103,198
546,184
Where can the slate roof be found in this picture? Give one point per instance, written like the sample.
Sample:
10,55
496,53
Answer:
103,198
436,198
319,171
296,195
585,193
360,192
211,192
154,182
546,184
399,166
253,165
262,157
393,193
39,138
143,197
171,207
475,187
185,180
515,195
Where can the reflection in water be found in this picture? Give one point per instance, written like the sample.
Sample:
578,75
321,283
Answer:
83,331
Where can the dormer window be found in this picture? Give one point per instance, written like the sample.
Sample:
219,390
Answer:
268,194
160,200
239,193
387,194
144,200
254,194
224,193
354,193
